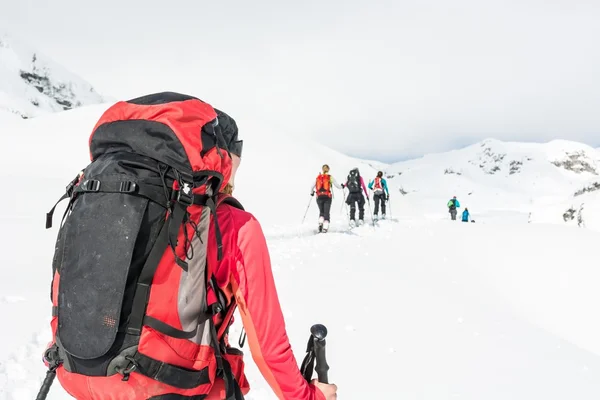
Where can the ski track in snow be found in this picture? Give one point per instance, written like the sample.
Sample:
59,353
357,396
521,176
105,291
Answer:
401,297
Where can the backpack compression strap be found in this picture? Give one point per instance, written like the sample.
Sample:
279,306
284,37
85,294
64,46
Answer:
68,193
142,291
140,188
232,388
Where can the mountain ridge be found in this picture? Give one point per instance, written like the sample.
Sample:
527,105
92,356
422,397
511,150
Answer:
32,84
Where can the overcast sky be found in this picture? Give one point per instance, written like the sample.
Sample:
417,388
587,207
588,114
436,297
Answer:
380,79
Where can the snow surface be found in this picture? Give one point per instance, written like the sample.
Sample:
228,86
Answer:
7,117
31,84
418,307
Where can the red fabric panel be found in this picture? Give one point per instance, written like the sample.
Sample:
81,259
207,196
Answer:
113,388
55,284
165,285
246,270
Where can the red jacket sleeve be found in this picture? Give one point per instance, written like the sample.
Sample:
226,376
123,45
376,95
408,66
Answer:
255,293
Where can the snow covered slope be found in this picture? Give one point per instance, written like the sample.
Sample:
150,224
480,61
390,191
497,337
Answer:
509,180
31,84
7,116
582,209
418,307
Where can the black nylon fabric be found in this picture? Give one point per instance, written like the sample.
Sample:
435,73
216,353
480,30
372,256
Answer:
148,138
99,366
353,183
173,375
175,396
229,131
99,266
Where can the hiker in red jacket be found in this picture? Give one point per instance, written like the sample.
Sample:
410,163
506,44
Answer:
146,278
244,274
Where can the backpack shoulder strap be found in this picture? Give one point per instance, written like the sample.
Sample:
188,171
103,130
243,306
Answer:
229,199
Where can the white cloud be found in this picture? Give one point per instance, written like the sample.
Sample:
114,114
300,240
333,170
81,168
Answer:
378,78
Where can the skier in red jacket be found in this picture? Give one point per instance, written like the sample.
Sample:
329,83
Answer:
244,275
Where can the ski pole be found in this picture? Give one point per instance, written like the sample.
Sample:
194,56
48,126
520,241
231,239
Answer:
45,389
315,351
345,204
390,206
309,203
52,358
319,333
370,211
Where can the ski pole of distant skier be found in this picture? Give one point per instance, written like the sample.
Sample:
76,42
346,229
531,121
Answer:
315,351
389,203
345,204
306,212
370,210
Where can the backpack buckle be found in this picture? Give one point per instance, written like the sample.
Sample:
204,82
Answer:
127,187
71,186
184,195
52,357
91,185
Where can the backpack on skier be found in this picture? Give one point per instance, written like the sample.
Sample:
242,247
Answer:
452,204
323,185
377,186
353,182
134,298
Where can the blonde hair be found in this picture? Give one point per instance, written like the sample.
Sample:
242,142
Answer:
228,189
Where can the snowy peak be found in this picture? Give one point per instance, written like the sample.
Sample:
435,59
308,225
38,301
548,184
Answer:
31,84
575,157
578,162
494,157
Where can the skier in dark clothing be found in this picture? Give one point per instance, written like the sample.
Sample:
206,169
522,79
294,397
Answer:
355,183
453,204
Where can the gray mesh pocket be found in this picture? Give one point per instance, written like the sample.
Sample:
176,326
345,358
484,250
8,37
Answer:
99,240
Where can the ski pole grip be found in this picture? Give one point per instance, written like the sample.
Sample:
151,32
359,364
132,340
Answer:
319,332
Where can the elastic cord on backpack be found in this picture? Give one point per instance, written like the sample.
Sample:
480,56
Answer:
163,178
210,203
178,204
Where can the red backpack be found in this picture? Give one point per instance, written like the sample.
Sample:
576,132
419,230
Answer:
323,185
377,184
135,306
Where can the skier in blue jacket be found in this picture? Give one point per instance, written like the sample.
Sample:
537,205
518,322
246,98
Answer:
453,204
380,194
465,215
